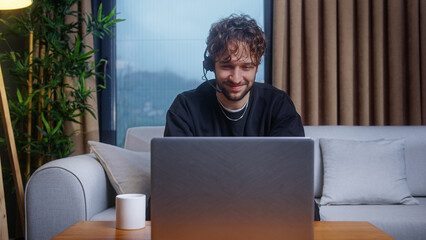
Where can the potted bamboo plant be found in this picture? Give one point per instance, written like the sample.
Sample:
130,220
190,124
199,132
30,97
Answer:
51,76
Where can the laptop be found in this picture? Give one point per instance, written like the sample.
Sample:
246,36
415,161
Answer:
235,188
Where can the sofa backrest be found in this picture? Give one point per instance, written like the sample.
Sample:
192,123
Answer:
139,139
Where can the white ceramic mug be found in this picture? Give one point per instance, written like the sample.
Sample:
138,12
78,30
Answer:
130,211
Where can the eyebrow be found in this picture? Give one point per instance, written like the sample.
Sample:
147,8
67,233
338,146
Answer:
228,62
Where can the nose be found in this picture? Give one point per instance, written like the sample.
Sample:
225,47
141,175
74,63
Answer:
235,76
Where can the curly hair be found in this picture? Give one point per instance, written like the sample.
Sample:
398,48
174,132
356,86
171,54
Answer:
235,29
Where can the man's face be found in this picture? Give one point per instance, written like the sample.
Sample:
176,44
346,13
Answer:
236,77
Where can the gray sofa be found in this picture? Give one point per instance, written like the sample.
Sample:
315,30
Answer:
65,191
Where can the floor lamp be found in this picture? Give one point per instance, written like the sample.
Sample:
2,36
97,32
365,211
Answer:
10,139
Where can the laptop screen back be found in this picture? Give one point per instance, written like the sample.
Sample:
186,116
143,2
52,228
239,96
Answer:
232,188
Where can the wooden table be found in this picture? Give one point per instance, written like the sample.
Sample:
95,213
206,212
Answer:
322,230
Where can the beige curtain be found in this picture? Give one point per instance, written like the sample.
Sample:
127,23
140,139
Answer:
352,62
89,129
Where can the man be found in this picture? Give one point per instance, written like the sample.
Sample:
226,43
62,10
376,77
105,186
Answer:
234,104
237,106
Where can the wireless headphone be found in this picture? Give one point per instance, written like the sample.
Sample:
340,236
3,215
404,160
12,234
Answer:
208,65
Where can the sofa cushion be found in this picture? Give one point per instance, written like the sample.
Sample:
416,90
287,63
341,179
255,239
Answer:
415,150
364,172
128,171
399,221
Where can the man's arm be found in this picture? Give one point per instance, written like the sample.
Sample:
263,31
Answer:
176,126
286,121
291,126
178,119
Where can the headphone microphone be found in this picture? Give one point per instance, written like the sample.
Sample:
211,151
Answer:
208,65
208,81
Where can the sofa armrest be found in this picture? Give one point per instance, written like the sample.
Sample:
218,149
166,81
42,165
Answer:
63,192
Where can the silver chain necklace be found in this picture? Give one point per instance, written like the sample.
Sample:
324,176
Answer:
234,119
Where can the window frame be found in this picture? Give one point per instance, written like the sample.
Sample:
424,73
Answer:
106,97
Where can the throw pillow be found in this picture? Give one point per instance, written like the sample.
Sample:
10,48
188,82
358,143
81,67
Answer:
364,172
128,171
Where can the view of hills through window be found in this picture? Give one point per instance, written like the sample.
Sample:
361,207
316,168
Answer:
160,51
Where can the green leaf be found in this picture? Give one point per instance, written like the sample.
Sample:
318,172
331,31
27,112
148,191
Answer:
91,113
88,53
83,81
77,46
100,13
12,54
111,14
42,131
57,127
112,22
46,124
19,95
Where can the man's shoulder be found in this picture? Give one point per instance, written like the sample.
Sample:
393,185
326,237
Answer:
201,90
268,91
271,97
193,97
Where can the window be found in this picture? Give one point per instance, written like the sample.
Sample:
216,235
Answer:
159,53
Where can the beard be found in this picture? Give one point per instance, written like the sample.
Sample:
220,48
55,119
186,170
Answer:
228,95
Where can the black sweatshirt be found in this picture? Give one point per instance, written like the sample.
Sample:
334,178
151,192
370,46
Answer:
197,112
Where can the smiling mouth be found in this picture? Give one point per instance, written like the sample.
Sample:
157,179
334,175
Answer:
236,87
